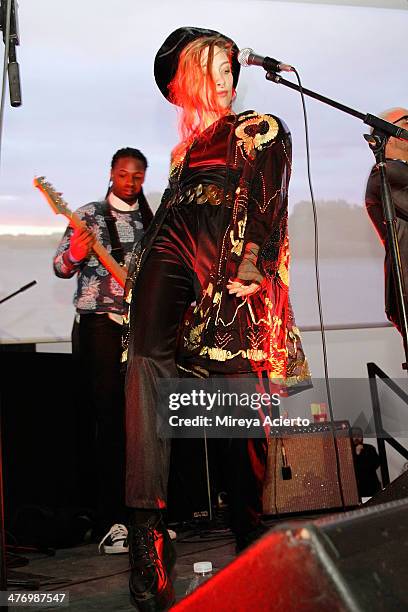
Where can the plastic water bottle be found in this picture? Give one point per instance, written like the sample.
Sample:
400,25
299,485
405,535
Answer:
202,572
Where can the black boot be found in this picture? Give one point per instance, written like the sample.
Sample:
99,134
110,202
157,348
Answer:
152,557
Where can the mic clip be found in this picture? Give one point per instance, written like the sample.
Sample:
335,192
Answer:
273,76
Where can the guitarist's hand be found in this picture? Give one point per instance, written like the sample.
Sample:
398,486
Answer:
82,241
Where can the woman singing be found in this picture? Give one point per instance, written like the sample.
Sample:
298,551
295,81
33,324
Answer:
219,242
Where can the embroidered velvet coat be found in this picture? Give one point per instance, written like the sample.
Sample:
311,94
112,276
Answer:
221,332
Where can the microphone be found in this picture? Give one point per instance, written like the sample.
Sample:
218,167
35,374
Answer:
14,39
247,57
14,76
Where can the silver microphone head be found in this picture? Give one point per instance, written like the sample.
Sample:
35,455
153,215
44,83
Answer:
243,56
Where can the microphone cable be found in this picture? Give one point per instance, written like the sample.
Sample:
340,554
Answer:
317,276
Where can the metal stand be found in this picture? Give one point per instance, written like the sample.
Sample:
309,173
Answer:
24,288
9,26
382,435
382,130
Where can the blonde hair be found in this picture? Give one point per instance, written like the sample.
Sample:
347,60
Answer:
187,87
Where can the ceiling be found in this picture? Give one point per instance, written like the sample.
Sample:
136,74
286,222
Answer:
389,4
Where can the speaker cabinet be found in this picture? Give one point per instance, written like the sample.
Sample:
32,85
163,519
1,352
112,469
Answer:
309,469
39,407
355,562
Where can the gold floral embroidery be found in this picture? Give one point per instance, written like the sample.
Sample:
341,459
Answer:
176,164
256,355
209,290
256,338
255,133
218,354
196,371
222,339
283,264
238,243
194,337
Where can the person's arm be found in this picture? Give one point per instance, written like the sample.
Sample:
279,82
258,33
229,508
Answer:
75,246
397,174
374,456
267,212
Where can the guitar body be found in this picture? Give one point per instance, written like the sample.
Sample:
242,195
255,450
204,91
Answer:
59,206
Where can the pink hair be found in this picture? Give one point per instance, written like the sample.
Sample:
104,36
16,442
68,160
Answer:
187,87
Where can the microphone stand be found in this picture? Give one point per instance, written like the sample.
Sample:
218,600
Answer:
11,38
34,282
382,130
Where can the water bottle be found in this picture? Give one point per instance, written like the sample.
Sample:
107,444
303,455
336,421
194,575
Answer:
202,572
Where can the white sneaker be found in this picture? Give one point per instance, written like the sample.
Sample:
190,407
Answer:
115,542
172,534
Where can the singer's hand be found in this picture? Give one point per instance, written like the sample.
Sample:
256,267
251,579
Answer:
241,290
82,241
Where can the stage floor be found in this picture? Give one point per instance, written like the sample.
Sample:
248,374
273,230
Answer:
100,582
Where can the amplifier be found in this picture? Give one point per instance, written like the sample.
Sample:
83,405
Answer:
303,473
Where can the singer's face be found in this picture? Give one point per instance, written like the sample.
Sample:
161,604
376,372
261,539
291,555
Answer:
399,117
222,77
127,177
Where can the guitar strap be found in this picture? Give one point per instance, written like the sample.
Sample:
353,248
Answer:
117,249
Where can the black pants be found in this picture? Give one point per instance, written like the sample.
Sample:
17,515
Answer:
96,342
172,276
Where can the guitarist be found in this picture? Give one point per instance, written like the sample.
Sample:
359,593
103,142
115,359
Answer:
117,222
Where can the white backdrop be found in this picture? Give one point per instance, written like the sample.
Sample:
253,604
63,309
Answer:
88,90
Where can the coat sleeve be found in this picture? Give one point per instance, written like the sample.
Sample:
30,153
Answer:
397,174
267,210
64,267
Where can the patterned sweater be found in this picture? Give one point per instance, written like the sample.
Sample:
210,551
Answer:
97,290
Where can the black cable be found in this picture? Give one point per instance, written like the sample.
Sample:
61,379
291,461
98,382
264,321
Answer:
195,538
316,250
317,275
198,552
202,533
